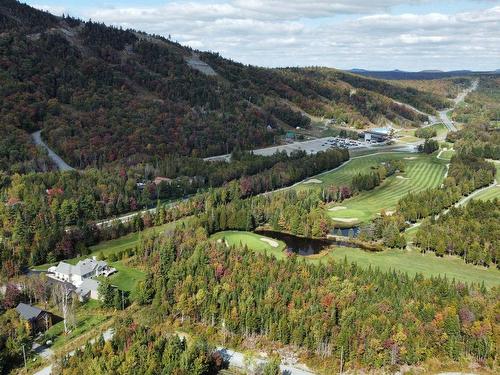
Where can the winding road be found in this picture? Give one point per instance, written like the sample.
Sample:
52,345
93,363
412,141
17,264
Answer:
61,164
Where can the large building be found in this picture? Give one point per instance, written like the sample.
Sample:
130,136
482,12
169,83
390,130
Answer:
378,134
84,269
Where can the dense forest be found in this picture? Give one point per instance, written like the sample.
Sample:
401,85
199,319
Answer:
87,86
371,319
41,206
471,232
136,349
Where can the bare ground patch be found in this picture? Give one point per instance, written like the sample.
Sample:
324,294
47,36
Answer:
270,242
313,181
345,220
337,208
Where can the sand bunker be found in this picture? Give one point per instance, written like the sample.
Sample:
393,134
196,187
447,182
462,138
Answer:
410,158
403,177
337,208
313,181
270,242
344,220
225,242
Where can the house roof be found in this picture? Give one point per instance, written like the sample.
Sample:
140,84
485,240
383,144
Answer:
88,285
64,268
83,267
380,131
28,312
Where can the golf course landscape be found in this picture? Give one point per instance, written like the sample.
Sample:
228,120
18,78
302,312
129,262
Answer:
421,172
409,261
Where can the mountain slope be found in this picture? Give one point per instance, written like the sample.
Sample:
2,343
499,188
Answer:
90,87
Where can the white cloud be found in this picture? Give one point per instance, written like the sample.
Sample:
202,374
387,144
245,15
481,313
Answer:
368,33
54,9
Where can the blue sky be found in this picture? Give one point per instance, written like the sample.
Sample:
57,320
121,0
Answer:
370,34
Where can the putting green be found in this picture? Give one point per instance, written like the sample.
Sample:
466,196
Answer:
253,241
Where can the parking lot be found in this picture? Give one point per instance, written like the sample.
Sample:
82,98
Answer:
311,147
314,146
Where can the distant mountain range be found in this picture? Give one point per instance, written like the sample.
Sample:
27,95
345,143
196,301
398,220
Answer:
424,74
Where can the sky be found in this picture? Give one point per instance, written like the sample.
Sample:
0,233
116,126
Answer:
408,35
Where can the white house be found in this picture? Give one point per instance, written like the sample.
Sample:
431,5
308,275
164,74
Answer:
89,288
83,270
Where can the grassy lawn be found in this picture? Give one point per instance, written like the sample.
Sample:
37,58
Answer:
252,241
447,154
344,174
422,172
441,129
126,278
489,194
88,316
414,262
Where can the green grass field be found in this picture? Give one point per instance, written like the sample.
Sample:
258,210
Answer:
489,194
252,241
126,278
441,129
412,262
447,154
422,172
88,316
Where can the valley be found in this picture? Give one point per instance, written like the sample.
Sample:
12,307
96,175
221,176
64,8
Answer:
168,210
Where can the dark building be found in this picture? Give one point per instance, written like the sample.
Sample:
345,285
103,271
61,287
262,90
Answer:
37,320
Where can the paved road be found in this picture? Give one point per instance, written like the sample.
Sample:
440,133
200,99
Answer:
464,200
443,115
61,164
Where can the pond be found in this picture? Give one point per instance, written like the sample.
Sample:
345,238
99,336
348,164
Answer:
302,245
346,232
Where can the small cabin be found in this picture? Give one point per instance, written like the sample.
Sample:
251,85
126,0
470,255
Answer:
37,320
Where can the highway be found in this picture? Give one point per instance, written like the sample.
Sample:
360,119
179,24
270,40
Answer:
443,115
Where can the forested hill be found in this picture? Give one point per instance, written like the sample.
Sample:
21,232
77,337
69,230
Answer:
101,95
